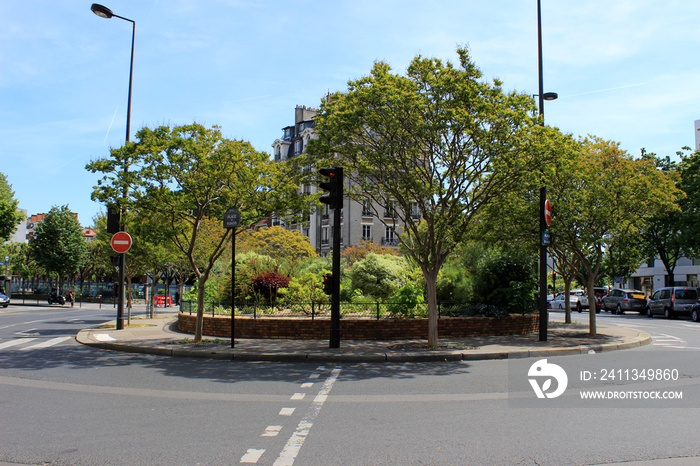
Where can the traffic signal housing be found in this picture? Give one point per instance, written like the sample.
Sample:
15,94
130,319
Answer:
334,186
328,283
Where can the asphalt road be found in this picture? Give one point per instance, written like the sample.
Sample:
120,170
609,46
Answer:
64,403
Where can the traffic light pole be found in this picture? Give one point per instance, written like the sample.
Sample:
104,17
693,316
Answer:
334,341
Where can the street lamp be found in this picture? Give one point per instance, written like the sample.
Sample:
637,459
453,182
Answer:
542,96
104,12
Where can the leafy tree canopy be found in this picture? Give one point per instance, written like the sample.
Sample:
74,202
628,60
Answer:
58,244
439,139
10,217
279,243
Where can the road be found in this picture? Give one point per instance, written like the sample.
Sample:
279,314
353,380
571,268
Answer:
63,403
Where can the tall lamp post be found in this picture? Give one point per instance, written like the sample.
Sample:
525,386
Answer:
104,12
542,96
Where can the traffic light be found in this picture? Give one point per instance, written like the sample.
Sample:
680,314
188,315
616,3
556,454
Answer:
554,278
328,283
334,186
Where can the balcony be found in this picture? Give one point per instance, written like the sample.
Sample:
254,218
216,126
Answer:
390,242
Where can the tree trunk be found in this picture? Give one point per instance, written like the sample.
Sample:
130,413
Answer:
431,288
200,311
567,305
592,330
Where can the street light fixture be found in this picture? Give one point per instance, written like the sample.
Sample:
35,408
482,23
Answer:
104,12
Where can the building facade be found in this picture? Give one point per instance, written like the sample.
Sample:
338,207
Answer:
360,220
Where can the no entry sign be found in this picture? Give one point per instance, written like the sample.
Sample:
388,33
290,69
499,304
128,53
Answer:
121,242
548,212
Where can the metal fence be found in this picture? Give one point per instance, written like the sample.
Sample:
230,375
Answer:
370,310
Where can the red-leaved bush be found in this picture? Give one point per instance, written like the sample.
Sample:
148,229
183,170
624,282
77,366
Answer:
268,283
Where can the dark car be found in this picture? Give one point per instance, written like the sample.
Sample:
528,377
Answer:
619,300
672,301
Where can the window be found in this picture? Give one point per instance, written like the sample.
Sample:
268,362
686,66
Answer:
415,212
298,146
390,211
324,236
367,232
389,237
367,209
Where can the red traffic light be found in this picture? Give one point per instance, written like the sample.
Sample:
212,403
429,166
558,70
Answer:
334,187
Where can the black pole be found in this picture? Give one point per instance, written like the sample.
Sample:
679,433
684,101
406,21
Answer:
544,315
233,285
334,341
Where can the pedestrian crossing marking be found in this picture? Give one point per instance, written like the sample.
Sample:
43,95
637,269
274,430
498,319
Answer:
46,343
19,341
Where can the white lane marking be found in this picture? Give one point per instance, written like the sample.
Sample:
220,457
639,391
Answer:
252,456
307,385
298,396
19,341
286,411
295,442
46,343
271,431
28,333
103,337
315,375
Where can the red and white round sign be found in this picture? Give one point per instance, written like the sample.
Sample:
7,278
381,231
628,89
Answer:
547,212
121,242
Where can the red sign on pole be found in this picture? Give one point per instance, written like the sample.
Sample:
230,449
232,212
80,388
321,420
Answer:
548,212
121,242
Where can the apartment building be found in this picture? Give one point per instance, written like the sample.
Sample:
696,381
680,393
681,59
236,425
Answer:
360,220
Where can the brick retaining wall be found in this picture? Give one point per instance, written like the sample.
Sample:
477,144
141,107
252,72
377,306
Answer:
361,329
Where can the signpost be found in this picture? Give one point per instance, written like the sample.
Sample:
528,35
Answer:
121,242
232,220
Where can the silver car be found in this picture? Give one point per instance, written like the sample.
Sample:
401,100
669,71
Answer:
574,300
619,300
672,301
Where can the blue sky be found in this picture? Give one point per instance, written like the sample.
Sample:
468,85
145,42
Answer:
625,70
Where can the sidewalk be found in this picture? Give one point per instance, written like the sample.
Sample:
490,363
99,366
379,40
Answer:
160,336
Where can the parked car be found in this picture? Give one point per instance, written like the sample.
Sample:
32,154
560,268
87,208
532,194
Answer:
619,300
672,301
4,300
599,292
559,302
695,313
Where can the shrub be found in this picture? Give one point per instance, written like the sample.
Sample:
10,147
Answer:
268,283
405,301
506,281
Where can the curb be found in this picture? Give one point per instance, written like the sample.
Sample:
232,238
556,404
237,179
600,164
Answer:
83,337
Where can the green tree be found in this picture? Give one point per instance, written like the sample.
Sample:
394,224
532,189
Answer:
10,217
603,194
58,244
438,139
189,176
278,243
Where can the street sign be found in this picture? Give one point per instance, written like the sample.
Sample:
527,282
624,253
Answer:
121,242
546,237
232,218
548,212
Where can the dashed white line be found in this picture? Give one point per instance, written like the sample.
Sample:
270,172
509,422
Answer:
286,411
271,431
252,456
298,396
295,442
307,385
